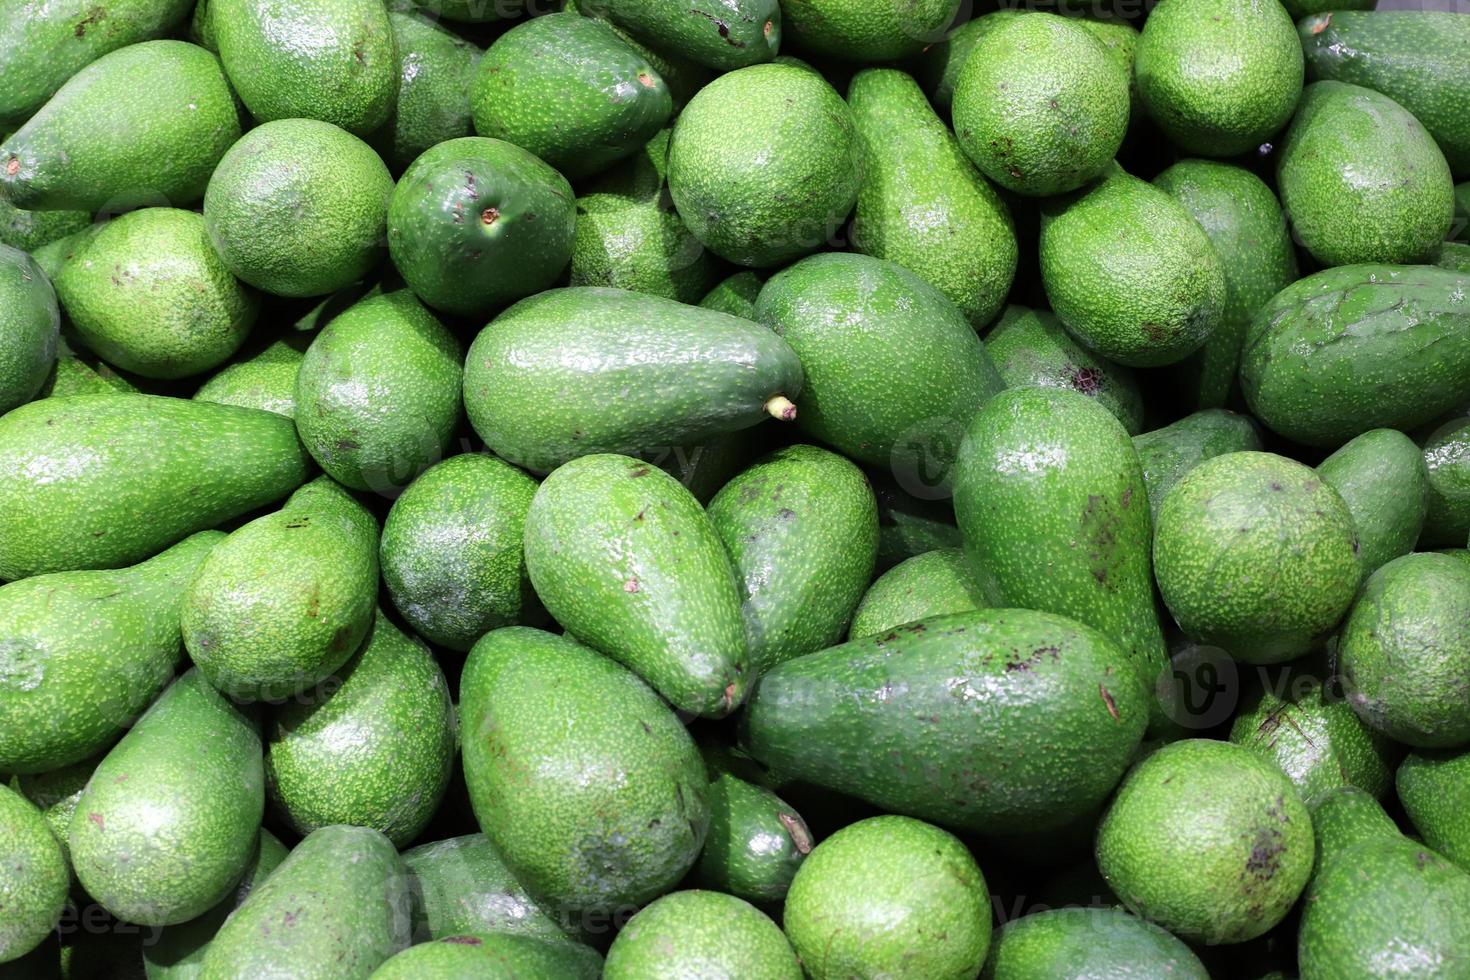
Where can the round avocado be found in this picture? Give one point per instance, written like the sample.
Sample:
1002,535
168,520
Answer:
701,934
1088,942
33,876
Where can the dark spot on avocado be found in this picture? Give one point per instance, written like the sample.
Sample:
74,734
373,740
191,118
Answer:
96,818
464,940
94,16
1108,700
348,445
298,522
646,729
12,166
639,471
723,28
799,837
1276,486
359,51
489,216
1086,380
785,514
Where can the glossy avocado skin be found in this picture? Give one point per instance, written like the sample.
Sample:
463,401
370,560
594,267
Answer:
1447,465
683,75
573,764
588,369
718,34
154,470
1435,789
1104,942
934,583
492,955
462,885
756,840
701,933
879,719
1167,454
476,223
169,821
29,328
436,68
35,877
851,30
1382,477
1357,348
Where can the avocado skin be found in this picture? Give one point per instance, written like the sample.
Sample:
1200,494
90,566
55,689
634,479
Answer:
1031,348
1130,272
1435,789
29,230
879,719
171,817
801,528
286,599
857,323
567,89
451,550
736,294
130,475
922,203
436,68
1447,465
1167,454
1208,840
1244,222
681,74
756,840
1454,256
298,208
492,955
337,907
937,68
851,30
889,896
266,381
372,746
1031,125
1067,530
476,223
587,783
378,395
30,325
629,236
718,34
34,878
145,124
698,933
333,60
587,369
1356,348
1420,59
1097,942
1411,608
56,792
1381,476
1361,180
740,190
462,885
934,583
1274,529
149,295
628,562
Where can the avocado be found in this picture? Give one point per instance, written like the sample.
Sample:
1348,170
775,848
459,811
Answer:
462,885
1208,840
1167,454
1244,222
1381,476
492,955
937,67
587,369
451,550
33,876
286,599
742,190
1130,272
170,819
701,934
53,256
922,203
337,907
1446,461
630,237
801,528
149,295
587,783
852,30
1454,256
378,396
566,88
1361,180
1357,348
140,472
73,375
145,124
889,896
265,381
735,295
1435,789
912,720
56,793
935,583
756,840
436,69
1091,942
1040,105
858,323
332,60
1345,817
1410,612
1418,58
29,328
1278,534
1050,499
298,208
1119,39
372,746
29,230
628,562
681,74
1030,348
719,34
476,223
1220,77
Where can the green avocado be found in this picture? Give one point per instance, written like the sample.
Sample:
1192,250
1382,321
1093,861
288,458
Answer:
265,381
170,820
33,877
588,784
912,720
735,295
143,125
1435,789
756,839
30,230
436,69
1088,942
462,885
29,328
1167,454
910,524
937,67
1446,460
719,34
683,75
934,583
56,792
701,934
493,955
1382,478
1454,256
476,223
853,30
100,481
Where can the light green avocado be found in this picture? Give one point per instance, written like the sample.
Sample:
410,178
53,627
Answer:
56,793
719,34
436,68
855,30
934,583
1089,942
30,230
756,840
493,955
1435,789
462,885
1167,454
33,878
701,934
265,381
29,328
735,295
937,68
1381,476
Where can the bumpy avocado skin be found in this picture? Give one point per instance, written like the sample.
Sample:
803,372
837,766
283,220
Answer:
29,328
701,933
719,34
1435,789
436,68
1447,465
35,876
756,840
934,583
266,381
851,30
492,955
1382,477
1167,454
462,885
1102,942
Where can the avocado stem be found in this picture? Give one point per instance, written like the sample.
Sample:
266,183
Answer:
780,407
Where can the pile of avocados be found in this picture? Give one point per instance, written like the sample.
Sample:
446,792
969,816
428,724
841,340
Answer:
734,490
